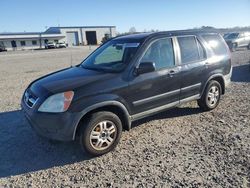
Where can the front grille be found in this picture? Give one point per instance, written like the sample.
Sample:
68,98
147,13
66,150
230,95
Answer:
30,99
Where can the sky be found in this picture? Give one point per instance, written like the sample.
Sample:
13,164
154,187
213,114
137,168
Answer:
37,15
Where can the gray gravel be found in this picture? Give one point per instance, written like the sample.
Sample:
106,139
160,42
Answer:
182,147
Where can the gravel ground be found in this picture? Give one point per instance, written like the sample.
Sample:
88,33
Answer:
182,147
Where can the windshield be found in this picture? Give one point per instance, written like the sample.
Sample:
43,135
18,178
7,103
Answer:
111,57
232,36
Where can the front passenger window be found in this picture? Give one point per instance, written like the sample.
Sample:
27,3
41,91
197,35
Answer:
161,53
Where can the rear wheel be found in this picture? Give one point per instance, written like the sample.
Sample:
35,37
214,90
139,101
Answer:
101,133
211,96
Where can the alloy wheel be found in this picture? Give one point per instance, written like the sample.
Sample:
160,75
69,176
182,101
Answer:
213,95
103,135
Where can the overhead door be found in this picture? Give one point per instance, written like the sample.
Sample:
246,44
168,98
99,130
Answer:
91,37
1,44
72,38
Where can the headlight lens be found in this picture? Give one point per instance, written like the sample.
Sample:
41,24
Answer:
57,103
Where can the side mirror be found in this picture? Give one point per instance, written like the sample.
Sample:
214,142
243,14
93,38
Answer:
145,67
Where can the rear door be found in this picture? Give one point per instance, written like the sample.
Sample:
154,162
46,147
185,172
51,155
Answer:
151,91
193,67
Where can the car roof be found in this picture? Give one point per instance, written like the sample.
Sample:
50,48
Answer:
140,37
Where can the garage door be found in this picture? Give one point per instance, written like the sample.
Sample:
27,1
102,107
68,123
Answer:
1,44
72,38
91,37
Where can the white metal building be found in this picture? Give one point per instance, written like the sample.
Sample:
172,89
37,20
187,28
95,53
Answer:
72,36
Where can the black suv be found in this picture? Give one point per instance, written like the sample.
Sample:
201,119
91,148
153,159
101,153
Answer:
126,79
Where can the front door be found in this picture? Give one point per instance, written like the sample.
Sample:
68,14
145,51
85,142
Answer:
152,91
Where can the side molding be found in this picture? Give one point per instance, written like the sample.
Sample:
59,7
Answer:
210,78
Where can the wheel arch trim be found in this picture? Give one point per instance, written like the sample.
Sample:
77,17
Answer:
100,105
211,78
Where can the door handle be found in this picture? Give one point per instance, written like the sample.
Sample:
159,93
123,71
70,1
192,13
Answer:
206,65
171,73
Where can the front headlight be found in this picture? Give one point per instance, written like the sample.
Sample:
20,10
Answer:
57,103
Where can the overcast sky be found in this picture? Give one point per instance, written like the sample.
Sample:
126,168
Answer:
35,15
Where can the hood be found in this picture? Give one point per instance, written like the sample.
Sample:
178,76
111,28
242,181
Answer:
65,80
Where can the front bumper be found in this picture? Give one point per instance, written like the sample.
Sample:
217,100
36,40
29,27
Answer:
55,126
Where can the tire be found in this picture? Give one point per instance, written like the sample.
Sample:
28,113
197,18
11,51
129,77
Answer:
105,128
211,96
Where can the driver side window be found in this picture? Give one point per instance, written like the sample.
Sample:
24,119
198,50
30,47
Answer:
161,53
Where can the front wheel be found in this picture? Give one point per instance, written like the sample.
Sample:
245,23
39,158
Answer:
100,133
211,96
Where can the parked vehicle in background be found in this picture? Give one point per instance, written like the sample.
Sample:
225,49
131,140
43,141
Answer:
61,45
126,79
106,38
2,48
50,45
237,40
226,34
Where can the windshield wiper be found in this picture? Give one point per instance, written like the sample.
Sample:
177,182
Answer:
101,69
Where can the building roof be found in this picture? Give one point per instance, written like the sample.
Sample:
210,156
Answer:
56,30
52,30
20,33
65,27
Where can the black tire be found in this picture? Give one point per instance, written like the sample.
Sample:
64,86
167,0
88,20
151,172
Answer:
90,127
205,102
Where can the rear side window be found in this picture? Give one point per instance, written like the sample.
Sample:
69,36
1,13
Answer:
202,51
216,43
191,49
